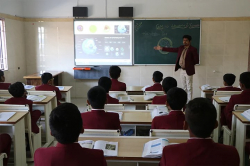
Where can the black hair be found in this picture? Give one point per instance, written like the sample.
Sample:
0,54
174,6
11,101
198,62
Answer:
97,97
245,79
46,77
106,83
176,98
114,72
201,116
16,89
1,73
168,83
157,76
65,123
229,79
187,37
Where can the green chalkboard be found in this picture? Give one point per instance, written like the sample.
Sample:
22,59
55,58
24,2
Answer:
150,33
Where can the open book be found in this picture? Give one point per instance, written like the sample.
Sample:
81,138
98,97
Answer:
159,111
119,113
225,99
4,116
28,87
109,148
36,97
246,114
153,149
124,98
149,96
60,87
208,87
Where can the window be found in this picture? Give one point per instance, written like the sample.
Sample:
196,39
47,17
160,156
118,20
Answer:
3,48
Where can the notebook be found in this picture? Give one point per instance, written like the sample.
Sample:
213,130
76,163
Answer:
149,96
225,99
153,149
159,111
36,97
60,87
246,114
28,87
5,116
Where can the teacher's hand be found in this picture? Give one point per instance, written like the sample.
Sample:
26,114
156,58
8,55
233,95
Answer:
158,48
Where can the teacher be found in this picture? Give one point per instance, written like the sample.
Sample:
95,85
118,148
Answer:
186,60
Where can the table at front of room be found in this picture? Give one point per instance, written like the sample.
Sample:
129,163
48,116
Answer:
35,79
17,123
218,104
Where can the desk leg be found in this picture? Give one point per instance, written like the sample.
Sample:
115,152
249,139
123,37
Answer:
217,130
49,137
19,143
68,97
240,140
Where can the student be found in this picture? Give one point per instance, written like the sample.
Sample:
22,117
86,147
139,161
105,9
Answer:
167,83
229,80
66,125
200,120
115,72
106,83
243,98
47,80
157,78
3,86
5,145
176,100
97,118
19,97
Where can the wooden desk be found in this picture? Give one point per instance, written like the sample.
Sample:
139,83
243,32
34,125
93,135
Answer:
17,124
134,90
136,99
136,117
207,93
35,79
218,104
241,140
130,148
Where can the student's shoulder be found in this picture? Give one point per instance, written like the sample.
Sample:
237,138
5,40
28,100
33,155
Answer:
44,151
226,149
113,114
173,149
92,152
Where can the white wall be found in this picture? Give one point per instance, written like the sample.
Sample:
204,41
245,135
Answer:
12,7
142,8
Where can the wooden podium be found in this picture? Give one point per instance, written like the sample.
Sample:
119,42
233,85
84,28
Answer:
35,79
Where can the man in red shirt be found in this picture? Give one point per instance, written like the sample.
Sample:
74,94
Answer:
186,60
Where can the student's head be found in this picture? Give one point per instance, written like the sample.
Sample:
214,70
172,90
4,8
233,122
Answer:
97,97
114,72
176,98
200,118
106,83
157,76
186,40
168,83
17,90
245,80
229,79
66,123
47,78
2,78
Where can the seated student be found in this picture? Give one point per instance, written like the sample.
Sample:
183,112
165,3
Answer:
5,145
106,83
167,83
229,80
176,100
66,125
200,120
97,118
47,80
243,98
19,97
157,78
3,86
115,72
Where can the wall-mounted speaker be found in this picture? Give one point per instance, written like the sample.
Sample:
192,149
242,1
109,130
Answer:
80,11
125,11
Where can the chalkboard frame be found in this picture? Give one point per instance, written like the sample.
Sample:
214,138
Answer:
134,64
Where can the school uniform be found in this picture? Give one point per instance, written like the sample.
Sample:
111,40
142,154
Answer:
155,87
5,145
47,87
4,86
117,85
111,100
99,119
35,115
69,155
174,120
228,88
159,99
199,152
243,98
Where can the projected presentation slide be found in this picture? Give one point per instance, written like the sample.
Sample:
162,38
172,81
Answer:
104,42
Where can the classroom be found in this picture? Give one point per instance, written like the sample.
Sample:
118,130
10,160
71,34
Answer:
42,36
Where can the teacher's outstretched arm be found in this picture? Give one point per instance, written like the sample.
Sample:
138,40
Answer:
167,49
